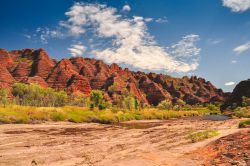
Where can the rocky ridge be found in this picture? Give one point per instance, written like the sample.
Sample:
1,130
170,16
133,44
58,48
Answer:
235,99
84,74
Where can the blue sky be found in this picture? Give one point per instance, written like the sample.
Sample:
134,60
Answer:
208,38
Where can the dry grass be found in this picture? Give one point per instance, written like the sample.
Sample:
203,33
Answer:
200,136
28,114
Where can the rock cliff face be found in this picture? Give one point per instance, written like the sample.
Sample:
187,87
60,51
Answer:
241,89
84,74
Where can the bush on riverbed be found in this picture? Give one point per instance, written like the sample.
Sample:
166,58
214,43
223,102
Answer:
244,124
200,136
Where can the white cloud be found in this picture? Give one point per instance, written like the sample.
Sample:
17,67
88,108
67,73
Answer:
77,50
229,83
233,61
237,5
131,44
46,33
27,36
214,41
148,19
162,20
126,8
186,47
242,48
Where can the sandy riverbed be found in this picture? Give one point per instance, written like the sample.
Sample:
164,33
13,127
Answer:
89,144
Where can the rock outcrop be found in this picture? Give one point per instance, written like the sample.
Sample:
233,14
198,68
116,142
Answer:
82,75
42,64
241,89
233,149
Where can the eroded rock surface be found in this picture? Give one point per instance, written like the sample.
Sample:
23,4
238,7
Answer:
84,74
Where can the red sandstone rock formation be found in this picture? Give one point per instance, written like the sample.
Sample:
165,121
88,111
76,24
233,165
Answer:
42,64
36,80
241,89
78,83
6,79
81,75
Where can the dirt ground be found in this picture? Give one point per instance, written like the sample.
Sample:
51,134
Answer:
143,143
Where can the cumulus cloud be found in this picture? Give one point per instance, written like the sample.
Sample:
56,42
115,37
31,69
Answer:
237,5
77,50
229,83
126,8
130,42
242,48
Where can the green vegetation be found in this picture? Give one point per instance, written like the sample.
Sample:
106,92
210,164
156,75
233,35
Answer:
96,98
241,110
131,103
79,100
4,97
200,136
24,60
165,104
35,95
29,114
245,101
244,123
32,103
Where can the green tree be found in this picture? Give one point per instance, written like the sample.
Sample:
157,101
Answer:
4,100
35,95
96,98
137,104
129,102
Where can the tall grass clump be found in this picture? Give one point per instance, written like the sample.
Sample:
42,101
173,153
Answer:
244,123
200,136
30,114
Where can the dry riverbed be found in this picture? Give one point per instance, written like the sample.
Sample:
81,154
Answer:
143,143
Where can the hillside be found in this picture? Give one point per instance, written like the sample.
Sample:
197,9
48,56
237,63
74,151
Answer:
83,75
241,91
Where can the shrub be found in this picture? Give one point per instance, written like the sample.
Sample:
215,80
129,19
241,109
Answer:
242,112
165,104
245,101
35,95
3,97
102,106
200,136
180,102
244,123
79,100
57,116
129,102
96,97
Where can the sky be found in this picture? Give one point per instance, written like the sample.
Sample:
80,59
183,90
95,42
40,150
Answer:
207,38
